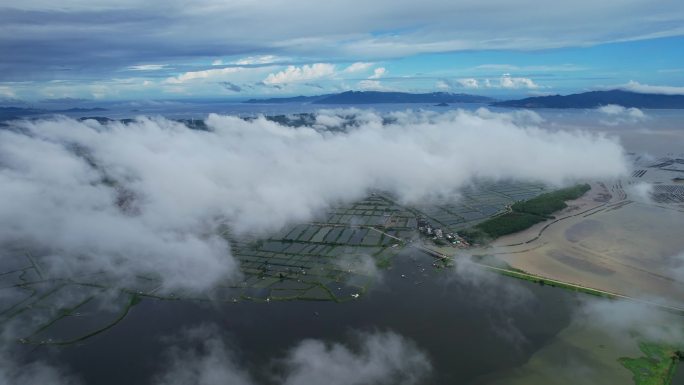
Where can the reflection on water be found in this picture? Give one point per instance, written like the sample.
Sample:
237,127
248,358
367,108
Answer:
468,329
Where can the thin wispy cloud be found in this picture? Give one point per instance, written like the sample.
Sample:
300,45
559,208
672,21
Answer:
468,83
652,89
358,67
254,60
378,73
147,67
614,115
79,41
204,74
511,82
506,81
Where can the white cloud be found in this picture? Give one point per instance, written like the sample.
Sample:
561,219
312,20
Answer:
7,92
518,117
382,358
169,188
329,120
293,74
148,67
625,318
640,192
207,361
494,292
358,67
540,68
217,73
613,109
671,70
442,85
468,83
620,115
371,85
677,265
201,356
218,28
36,372
254,60
378,73
360,264
648,89
507,81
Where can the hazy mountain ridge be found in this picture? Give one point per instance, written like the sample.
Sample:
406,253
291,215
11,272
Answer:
594,99
17,112
372,97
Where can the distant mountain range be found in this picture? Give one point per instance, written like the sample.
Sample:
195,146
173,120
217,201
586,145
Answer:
595,99
590,99
17,112
378,97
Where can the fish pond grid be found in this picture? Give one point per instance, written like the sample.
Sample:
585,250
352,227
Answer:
332,258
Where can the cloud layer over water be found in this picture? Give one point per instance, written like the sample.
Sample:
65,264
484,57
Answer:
148,197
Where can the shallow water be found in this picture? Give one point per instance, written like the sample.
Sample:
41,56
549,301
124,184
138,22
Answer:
467,329
678,378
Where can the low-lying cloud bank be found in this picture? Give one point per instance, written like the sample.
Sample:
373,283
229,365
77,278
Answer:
616,115
650,89
147,197
203,358
202,355
625,320
37,372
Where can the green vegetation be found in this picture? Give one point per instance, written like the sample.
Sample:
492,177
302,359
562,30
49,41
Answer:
300,262
520,274
508,223
524,214
657,367
384,263
548,203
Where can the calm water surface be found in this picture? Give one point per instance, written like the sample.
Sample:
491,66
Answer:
468,329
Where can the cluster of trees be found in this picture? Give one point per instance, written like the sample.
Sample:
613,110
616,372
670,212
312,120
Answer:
546,204
524,214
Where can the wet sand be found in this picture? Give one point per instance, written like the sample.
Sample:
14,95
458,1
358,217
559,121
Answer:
621,246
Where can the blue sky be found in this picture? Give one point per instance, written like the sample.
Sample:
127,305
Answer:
106,50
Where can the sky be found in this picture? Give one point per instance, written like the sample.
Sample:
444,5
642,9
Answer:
114,50
174,188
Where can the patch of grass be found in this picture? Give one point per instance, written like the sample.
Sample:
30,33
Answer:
656,367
